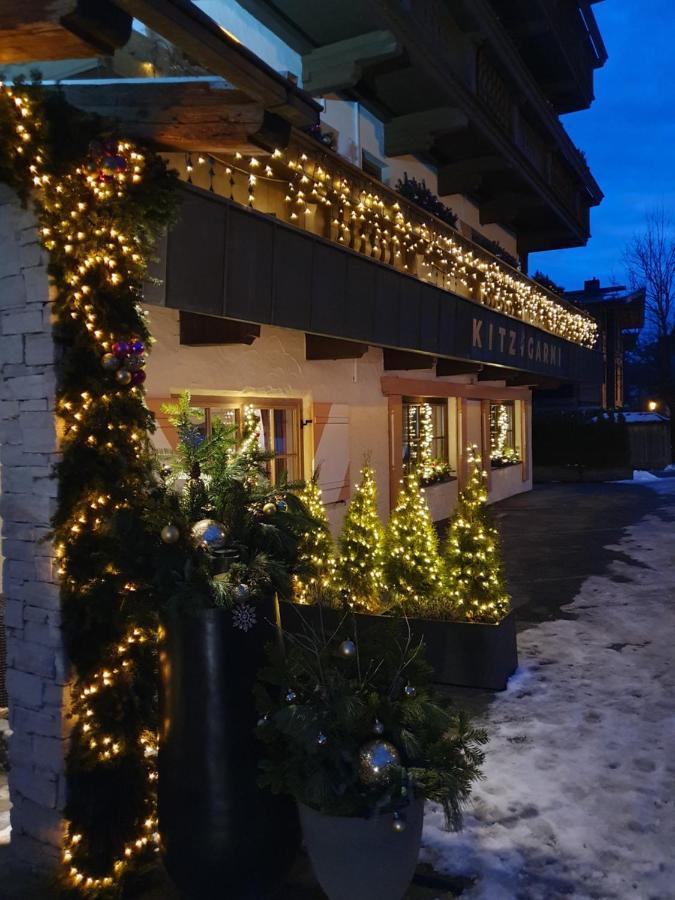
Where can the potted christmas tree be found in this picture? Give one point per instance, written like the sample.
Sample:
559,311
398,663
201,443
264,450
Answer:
229,545
351,731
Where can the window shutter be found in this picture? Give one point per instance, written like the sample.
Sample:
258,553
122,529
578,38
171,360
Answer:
331,450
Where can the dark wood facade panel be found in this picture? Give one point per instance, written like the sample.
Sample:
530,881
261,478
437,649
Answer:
195,255
329,282
249,276
224,259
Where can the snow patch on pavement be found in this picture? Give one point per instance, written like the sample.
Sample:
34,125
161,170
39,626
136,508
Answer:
579,792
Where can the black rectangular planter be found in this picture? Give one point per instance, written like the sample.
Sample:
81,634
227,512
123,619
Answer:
464,654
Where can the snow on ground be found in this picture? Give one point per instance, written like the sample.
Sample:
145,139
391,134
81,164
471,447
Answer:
579,794
643,475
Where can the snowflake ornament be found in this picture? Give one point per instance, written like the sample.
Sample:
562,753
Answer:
243,616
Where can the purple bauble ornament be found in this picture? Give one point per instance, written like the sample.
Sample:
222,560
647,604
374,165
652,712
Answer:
120,349
138,377
137,347
120,163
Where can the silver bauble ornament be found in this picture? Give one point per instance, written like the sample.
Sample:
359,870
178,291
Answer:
377,762
378,727
110,362
399,823
209,535
123,377
135,363
269,509
241,592
409,690
170,534
347,648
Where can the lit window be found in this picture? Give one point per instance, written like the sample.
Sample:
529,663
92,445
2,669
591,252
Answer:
425,439
503,448
279,429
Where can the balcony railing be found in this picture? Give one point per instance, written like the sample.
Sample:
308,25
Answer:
314,189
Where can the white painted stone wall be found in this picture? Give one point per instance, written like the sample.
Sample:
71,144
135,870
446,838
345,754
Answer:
36,666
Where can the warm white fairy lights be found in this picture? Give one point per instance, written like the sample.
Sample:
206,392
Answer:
377,224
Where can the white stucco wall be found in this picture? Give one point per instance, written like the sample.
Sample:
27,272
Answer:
275,366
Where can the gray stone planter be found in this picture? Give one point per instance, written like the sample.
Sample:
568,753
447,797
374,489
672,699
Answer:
363,859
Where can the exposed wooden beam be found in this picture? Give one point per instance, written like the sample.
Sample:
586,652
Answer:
60,29
496,373
457,367
417,132
338,66
526,379
197,330
404,359
319,347
204,41
182,113
396,385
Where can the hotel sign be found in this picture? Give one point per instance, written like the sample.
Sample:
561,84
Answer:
490,337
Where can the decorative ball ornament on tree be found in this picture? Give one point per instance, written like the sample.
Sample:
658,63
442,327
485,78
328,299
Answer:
209,535
123,377
409,690
110,362
377,762
347,648
399,823
242,592
378,727
321,739
269,509
170,534
290,696
282,506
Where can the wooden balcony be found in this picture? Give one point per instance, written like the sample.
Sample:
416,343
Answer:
230,262
561,44
314,190
450,84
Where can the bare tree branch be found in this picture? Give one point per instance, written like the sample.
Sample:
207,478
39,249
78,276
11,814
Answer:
650,262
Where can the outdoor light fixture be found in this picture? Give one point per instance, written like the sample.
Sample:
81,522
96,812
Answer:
652,405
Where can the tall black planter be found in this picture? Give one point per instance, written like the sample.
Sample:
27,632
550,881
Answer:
222,836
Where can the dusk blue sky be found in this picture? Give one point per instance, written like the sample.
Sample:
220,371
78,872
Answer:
628,136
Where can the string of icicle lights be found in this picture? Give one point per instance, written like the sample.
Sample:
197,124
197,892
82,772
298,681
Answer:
392,231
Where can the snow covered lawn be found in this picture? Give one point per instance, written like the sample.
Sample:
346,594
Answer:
579,794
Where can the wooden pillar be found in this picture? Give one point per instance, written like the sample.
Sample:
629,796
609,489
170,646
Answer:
395,447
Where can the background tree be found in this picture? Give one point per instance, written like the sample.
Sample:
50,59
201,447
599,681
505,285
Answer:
650,263
360,568
413,564
474,580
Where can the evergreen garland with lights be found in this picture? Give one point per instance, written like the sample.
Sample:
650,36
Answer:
360,568
414,571
473,571
316,552
101,205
